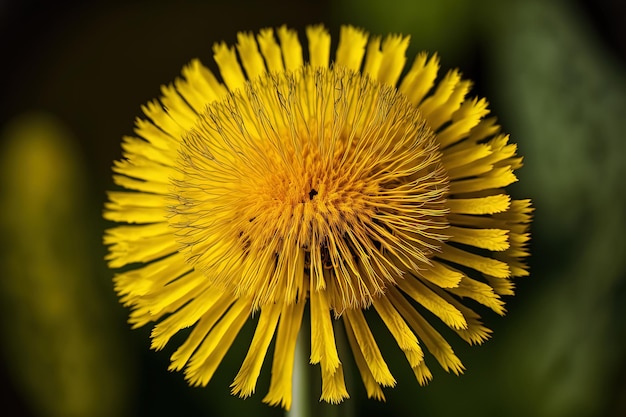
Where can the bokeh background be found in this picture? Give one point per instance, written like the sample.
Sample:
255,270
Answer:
74,75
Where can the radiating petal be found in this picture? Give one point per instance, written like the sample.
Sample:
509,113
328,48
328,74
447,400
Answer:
421,78
480,205
282,366
393,58
245,381
372,387
366,343
270,50
333,385
211,351
433,303
323,346
250,56
291,48
319,45
351,47
226,60
406,339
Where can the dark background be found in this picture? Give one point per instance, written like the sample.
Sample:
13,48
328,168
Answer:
74,75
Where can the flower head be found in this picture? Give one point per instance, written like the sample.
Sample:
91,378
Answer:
336,185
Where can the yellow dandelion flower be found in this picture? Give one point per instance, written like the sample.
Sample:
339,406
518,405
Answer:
336,184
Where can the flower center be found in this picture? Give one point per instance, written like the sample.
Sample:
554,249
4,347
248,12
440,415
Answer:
317,180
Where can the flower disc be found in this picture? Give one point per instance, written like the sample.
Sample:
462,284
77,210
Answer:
316,175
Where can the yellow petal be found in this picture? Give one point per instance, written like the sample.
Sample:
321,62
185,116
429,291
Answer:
333,385
421,78
270,50
134,233
226,60
323,346
520,212
250,56
366,343
163,120
480,292
476,333
145,169
139,208
501,286
284,352
200,87
177,108
422,373
463,120
319,45
245,381
211,351
434,342
138,215
447,98
491,239
440,275
138,282
187,316
404,336
393,58
130,199
291,48
156,137
480,263
518,268
179,291
150,248
373,58
486,128
351,47
181,356
143,186
433,303
481,205
372,387
496,178
458,159
135,146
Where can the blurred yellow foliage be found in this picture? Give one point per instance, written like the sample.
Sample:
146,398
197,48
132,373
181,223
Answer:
61,347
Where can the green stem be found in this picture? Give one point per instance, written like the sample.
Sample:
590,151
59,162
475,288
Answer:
301,405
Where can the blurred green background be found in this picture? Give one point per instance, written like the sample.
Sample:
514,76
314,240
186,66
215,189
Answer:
74,75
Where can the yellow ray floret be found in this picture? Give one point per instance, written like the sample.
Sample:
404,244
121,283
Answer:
319,46
245,381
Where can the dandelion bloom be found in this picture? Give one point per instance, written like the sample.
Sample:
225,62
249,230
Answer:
333,183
